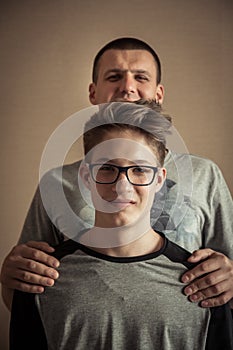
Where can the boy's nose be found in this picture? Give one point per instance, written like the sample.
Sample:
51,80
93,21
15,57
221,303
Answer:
123,185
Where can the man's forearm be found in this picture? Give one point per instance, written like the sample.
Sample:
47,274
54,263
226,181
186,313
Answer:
7,296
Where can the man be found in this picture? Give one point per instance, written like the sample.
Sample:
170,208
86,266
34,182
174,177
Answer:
127,70
137,302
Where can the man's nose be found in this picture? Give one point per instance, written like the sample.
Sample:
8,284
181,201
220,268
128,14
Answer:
128,84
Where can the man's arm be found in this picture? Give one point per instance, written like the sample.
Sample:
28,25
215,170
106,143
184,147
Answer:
211,282
29,268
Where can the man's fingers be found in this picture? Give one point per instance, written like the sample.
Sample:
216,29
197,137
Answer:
36,268
28,268
211,282
38,255
214,295
26,287
34,254
197,294
200,254
44,246
216,261
216,301
22,278
30,288
208,280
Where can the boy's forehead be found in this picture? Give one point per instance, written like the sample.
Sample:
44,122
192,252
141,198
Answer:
123,148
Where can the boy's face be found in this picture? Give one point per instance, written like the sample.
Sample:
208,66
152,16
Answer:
122,203
126,75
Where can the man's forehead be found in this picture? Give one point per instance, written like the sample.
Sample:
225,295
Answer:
125,59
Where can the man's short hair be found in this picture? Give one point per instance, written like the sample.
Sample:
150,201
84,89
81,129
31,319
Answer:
126,44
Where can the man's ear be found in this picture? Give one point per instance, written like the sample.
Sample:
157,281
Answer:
92,93
85,175
159,95
161,177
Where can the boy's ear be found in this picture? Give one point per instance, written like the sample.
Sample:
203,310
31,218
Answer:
85,175
161,177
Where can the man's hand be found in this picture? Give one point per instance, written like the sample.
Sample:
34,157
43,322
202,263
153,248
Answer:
29,268
211,281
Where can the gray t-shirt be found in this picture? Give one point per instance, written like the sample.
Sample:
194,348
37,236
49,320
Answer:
101,302
110,303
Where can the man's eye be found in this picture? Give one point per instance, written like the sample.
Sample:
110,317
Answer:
113,77
142,78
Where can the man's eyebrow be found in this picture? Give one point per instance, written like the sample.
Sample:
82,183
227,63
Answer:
117,70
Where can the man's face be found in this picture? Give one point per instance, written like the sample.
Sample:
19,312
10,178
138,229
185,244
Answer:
126,75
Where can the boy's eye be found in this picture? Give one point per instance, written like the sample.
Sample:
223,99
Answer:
106,167
140,170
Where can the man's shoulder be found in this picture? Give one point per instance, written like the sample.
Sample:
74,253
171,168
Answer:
204,162
67,172
195,159
197,163
65,168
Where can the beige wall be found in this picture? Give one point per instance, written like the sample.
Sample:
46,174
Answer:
46,51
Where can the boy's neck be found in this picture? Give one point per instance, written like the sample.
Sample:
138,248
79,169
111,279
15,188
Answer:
147,243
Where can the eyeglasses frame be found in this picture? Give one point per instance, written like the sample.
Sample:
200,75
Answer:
122,169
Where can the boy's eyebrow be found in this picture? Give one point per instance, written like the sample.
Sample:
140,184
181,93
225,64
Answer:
101,160
142,162
134,161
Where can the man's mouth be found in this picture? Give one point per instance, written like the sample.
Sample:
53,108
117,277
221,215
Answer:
124,99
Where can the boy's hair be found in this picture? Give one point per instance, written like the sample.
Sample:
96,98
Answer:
127,116
126,44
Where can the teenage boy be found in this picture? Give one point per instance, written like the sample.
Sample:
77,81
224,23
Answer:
127,69
120,287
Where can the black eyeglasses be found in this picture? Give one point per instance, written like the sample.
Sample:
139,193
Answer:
138,175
